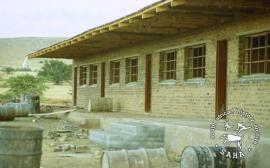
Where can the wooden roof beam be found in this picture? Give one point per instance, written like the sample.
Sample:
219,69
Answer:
223,3
149,14
164,8
123,24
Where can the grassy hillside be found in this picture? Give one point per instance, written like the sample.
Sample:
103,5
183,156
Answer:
14,50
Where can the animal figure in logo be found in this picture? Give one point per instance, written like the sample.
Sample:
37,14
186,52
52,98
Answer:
231,138
241,127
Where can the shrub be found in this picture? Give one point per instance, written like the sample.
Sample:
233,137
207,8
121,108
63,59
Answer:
8,70
25,84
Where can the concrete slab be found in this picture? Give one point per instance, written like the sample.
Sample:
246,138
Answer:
180,133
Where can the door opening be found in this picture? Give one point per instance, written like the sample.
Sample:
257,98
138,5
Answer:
221,76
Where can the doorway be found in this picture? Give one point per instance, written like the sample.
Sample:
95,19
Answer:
221,76
148,82
102,85
75,80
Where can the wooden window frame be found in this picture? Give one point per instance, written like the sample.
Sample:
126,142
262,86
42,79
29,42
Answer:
195,61
168,60
132,70
255,55
93,69
83,75
115,72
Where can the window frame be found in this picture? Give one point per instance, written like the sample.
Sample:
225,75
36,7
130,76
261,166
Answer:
129,68
249,53
166,73
115,72
93,74
83,75
190,57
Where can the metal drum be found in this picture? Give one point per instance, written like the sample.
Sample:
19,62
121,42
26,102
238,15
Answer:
20,147
7,113
139,158
209,157
35,101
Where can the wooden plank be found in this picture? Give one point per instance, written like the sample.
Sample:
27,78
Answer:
147,15
50,114
162,9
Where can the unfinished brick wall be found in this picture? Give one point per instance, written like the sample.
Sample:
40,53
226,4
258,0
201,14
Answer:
193,98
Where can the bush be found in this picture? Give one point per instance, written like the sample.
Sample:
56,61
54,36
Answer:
8,70
24,69
56,71
25,84
5,98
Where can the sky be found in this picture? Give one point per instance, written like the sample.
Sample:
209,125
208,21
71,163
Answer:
61,18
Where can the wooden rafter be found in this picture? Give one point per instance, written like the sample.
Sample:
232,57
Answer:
153,22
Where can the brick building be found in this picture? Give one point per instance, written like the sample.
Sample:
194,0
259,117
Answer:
186,59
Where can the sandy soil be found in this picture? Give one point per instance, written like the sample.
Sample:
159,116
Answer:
68,159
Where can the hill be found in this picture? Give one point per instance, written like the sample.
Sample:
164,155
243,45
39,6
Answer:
14,50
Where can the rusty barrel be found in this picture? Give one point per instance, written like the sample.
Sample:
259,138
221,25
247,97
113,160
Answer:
21,109
7,113
35,101
139,158
210,157
20,146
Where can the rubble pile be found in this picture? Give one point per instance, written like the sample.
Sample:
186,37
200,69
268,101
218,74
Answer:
65,132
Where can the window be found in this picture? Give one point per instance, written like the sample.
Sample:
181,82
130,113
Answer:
83,75
195,62
167,65
131,70
115,72
256,54
93,74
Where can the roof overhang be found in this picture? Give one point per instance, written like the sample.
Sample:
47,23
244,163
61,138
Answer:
154,22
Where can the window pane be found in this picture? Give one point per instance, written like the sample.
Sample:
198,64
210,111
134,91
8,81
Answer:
195,62
247,56
254,56
195,72
200,62
268,53
196,52
262,41
261,67
255,42
261,54
268,36
199,72
254,68
248,42
268,68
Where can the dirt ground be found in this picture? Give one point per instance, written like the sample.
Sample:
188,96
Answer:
65,159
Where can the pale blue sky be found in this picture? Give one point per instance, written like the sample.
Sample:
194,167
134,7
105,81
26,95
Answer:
21,18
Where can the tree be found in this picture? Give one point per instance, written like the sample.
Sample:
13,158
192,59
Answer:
25,84
56,71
